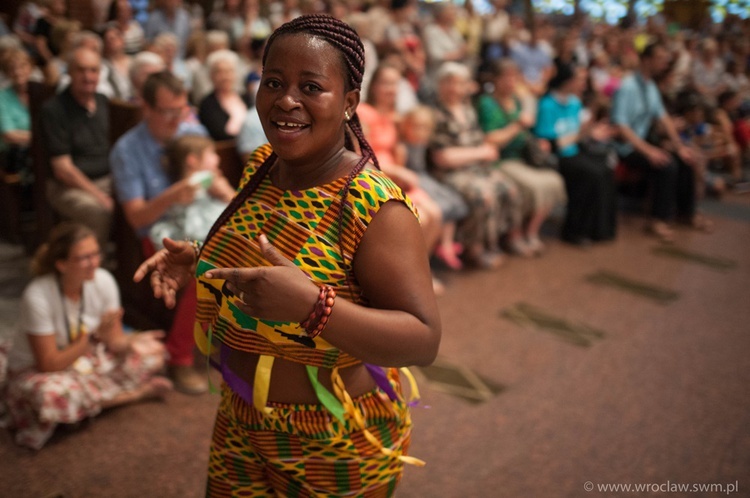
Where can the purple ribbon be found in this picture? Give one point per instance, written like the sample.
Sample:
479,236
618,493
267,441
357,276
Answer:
245,391
381,379
234,381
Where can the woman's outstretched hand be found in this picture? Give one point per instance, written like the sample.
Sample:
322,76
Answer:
281,292
171,269
148,343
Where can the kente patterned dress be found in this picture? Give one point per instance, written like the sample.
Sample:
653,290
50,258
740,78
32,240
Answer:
304,226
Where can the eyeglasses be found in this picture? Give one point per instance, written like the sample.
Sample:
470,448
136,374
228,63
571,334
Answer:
83,258
174,113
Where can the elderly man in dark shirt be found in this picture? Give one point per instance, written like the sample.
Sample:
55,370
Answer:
76,136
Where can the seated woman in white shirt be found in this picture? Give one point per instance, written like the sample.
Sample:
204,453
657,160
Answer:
70,358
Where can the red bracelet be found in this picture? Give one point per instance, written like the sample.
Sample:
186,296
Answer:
318,319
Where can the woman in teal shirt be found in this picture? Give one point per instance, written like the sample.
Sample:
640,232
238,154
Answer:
15,124
592,198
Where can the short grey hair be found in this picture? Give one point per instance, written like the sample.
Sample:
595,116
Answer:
8,42
166,38
449,69
73,56
215,37
143,60
80,39
221,56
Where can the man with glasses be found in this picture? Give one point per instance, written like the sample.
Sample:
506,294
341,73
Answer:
146,193
141,182
75,131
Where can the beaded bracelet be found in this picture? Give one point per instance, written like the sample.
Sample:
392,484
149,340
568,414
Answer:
196,248
318,319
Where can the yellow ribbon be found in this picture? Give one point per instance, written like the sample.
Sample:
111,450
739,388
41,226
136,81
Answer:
413,388
262,383
358,419
201,339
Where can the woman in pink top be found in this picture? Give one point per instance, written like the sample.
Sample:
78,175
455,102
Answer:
380,121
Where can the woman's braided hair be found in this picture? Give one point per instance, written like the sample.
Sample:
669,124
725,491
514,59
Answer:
342,37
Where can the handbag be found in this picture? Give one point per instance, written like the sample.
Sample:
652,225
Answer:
533,154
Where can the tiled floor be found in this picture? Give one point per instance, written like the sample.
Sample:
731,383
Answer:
518,405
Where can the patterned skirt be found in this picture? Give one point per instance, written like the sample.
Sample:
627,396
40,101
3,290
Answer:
37,402
301,450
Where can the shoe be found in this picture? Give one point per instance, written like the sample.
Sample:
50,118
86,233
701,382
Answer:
448,259
491,260
701,223
486,260
662,231
535,245
188,380
519,248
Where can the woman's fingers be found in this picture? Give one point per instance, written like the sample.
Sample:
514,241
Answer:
156,283
154,334
272,254
234,275
143,270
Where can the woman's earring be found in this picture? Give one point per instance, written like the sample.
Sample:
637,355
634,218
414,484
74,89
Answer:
346,115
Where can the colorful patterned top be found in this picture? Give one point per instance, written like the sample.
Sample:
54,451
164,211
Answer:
303,225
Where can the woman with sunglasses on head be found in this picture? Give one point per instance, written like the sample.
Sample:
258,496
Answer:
71,358
314,278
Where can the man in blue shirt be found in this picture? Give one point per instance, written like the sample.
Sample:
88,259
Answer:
636,108
534,62
141,182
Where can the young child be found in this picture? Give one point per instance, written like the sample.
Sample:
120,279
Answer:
698,134
416,129
194,157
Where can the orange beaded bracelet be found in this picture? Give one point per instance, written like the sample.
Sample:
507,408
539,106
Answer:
321,312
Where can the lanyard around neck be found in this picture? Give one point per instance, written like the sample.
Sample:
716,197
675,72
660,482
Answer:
65,313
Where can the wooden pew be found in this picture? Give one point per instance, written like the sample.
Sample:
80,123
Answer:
122,117
230,161
44,216
10,204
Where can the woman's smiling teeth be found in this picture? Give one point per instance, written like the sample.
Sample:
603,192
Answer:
289,126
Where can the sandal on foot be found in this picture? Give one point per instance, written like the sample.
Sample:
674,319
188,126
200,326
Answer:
489,260
520,248
700,222
662,232
535,245
449,259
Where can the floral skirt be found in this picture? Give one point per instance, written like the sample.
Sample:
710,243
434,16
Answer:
37,402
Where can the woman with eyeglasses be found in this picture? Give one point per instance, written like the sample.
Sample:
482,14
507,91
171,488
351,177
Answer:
70,358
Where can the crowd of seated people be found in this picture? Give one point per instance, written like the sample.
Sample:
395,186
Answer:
492,124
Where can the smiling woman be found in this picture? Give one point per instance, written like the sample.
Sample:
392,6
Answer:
314,278
70,357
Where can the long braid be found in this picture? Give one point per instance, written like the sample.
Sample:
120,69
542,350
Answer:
250,187
341,36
